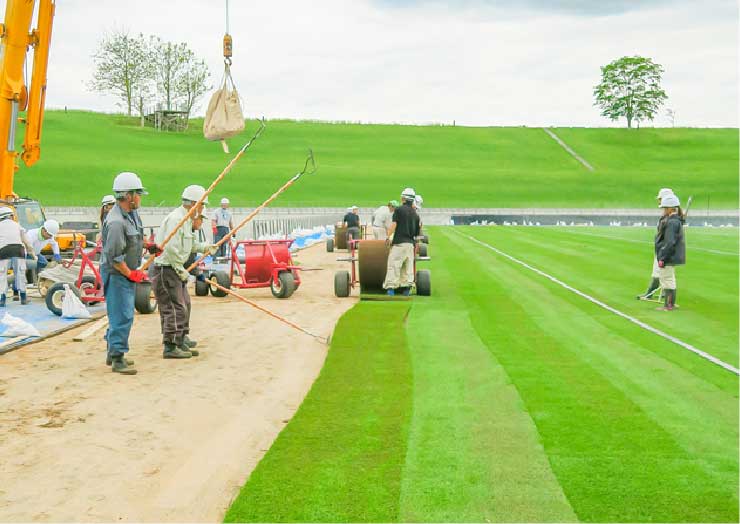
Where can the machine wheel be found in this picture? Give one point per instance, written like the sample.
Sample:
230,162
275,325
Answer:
329,245
341,283
201,288
284,286
89,282
222,277
55,296
423,250
144,300
423,283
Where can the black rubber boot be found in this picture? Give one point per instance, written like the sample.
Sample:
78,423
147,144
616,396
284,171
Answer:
670,300
119,366
3,300
172,351
654,284
24,298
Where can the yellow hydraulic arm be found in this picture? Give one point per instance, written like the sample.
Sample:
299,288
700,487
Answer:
15,96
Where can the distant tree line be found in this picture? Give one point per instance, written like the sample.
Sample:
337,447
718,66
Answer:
144,71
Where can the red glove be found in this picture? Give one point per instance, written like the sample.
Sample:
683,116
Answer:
661,263
137,275
215,230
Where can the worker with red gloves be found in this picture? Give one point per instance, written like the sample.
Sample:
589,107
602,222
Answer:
670,248
123,243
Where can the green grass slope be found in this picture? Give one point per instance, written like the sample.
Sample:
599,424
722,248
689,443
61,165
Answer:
506,398
368,164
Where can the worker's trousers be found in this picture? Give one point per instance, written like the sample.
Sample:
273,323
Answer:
400,272
173,301
353,233
667,276
380,233
119,302
223,249
18,263
656,269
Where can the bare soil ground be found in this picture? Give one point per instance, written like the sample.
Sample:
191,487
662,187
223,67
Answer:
176,441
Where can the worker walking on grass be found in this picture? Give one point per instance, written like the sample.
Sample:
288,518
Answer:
42,237
14,246
222,223
352,223
170,277
655,275
670,248
404,229
382,220
123,243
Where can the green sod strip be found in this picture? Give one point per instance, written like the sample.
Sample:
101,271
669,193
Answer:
340,458
613,460
473,453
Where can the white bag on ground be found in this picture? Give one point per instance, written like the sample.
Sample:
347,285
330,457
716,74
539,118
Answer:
17,327
224,117
72,307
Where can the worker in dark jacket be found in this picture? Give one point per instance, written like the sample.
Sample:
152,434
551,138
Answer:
670,248
404,229
655,275
352,223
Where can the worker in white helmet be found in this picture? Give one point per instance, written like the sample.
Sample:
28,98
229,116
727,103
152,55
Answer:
170,277
403,232
670,248
106,204
655,274
122,238
43,237
222,222
14,246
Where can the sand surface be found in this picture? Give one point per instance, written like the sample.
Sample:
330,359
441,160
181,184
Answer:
176,441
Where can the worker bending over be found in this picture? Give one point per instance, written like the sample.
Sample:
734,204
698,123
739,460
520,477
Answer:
14,246
223,223
382,220
670,248
403,231
352,223
42,237
123,243
170,277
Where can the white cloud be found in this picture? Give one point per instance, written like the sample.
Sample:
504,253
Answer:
426,62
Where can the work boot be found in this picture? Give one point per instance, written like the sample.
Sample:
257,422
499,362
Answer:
109,360
119,366
189,342
3,299
15,296
24,298
405,291
654,284
187,349
670,300
391,292
172,351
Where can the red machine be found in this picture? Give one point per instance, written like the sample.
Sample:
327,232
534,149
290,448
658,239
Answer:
266,263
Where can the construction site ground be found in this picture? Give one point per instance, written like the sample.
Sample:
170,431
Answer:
176,441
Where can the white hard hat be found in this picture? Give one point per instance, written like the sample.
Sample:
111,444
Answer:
664,192
225,200
354,207
108,199
669,201
128,181
408,194
5,212
52,227
194,193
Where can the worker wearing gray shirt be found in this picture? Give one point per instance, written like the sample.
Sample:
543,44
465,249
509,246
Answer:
123,243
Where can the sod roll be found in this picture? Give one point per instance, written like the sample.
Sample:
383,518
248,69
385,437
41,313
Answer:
340,237
372,264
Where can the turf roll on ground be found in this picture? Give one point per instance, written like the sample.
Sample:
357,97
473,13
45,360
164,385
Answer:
372,263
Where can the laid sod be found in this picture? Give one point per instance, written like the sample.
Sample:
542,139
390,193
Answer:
505,397
363,164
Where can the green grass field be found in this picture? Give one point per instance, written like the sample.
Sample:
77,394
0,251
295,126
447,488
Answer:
368,164
505,397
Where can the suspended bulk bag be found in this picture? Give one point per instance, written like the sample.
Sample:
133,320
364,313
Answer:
224,117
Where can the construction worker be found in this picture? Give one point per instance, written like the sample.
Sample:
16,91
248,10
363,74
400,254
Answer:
123,243
14,246
403,231
670,248
655,275
222,223
45,236
105,206
352,223
170,277
382,220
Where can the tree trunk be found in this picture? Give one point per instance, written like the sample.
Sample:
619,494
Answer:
629,121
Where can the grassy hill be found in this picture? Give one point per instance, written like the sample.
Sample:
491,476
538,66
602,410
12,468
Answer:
367,164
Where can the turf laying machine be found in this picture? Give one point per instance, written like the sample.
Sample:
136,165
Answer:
340,240
368,263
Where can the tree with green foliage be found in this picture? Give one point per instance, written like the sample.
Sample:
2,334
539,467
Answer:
630,88
181,77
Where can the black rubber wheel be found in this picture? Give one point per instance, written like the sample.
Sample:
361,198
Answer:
55,296
423,283
284,286
423,250
341,283
89,282
201,288
329,245
144,300
222,277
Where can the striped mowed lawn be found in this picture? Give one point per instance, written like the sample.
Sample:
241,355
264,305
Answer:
505,397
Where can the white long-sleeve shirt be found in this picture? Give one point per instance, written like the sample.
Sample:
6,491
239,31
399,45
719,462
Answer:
39,242
383,217
12,233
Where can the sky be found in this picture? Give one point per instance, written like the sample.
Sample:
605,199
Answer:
475,62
